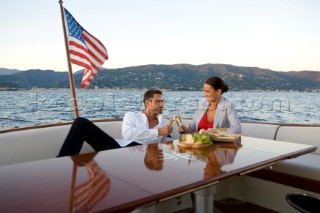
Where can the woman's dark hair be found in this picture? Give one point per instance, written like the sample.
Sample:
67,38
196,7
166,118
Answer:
217,83
149,94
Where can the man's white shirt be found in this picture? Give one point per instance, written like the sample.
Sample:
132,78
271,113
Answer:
135,127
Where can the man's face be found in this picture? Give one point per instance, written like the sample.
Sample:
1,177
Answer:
155,104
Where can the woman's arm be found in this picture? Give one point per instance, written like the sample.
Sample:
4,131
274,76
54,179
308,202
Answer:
235,124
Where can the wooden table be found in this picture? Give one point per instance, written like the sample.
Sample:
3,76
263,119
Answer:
124,179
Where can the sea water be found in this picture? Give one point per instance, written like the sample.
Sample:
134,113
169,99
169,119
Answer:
31,108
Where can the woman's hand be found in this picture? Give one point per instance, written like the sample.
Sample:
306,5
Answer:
183,128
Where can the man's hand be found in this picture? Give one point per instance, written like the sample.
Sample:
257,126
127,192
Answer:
165,131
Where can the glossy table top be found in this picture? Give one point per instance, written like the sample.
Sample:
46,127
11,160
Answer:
122,179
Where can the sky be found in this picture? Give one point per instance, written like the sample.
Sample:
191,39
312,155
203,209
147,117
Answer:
281,35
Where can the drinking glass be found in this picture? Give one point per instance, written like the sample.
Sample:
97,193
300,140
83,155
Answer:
172,118
179,120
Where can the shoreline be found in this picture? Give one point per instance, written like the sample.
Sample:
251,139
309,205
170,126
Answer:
133,89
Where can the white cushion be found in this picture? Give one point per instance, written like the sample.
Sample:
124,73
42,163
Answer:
112,128
30,145
43,143
307,166
265,131
300,134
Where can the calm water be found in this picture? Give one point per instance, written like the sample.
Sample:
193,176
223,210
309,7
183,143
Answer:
29,108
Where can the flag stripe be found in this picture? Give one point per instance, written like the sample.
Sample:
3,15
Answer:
100,49
77,45
80,63
99,44
79,56
88,77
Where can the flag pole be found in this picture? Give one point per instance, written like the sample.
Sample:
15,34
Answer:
71,81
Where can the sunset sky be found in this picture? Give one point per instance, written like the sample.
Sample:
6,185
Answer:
281,35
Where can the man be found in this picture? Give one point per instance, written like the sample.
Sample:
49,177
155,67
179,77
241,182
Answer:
137,128
148,125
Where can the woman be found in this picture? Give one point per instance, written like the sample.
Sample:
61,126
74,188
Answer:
215,111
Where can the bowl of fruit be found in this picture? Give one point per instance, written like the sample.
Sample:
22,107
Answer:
195,140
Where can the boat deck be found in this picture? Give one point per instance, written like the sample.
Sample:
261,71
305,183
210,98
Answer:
239,207
234,206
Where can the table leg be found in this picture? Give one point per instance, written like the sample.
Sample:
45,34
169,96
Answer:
204,200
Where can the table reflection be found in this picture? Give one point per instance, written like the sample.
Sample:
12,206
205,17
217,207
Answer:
216,160
153,159
215,156
88,189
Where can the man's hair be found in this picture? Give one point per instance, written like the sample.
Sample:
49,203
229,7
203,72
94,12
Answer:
149,94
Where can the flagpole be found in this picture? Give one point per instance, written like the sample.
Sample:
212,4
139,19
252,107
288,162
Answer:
71,81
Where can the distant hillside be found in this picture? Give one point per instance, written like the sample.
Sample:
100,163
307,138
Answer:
172,77
4,71
36,78
307,75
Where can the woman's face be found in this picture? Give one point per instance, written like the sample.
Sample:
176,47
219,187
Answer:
210,93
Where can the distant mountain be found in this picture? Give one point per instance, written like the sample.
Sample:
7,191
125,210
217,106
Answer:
171,77
4,71
307,75
36,78
79,72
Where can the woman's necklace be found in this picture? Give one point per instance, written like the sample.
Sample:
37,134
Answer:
217,102
212,109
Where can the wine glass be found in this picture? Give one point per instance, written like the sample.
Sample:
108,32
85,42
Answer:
172,118
179,120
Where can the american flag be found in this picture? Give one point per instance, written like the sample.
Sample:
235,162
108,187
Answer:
85,50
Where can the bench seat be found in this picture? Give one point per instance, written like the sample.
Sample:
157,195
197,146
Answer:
299,175
256,130
307,166
44,143
300,134
31,144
